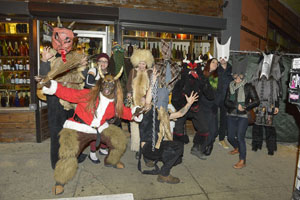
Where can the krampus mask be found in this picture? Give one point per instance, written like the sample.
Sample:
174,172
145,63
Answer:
62,39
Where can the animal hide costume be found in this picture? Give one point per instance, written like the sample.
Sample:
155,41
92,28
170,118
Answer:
59,110
106,101
138,84
267,82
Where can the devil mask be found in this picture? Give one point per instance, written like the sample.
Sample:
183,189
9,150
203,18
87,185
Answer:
223,50
62,39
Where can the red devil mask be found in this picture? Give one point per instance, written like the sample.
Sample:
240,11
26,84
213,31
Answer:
62,41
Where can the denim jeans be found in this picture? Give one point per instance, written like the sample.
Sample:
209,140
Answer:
237,127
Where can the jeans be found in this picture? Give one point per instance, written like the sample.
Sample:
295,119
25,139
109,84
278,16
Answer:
237,127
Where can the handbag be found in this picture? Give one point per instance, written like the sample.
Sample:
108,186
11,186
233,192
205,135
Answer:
251,117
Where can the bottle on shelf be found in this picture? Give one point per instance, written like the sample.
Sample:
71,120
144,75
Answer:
17,80
148,46
10,50
27,65
174,52
26,99
26,49
28,79
3,99
144,45
181,52
130,50
189,55
22,49
11,99
2,77
154,51
22,99
16,49
159,55
17,100
194,55
12,78
4,48
139,45
177,52
13,65
184,51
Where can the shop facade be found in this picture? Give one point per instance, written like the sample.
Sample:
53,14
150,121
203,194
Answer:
96,27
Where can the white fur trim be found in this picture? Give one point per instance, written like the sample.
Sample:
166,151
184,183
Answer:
84,127
52,88
101,110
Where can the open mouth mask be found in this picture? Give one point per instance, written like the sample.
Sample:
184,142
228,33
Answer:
62,39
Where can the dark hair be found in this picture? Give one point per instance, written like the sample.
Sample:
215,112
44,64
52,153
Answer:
206,69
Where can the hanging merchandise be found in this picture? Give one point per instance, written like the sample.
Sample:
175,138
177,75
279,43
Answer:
294,84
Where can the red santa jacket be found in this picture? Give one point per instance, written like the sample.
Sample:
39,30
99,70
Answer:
105,108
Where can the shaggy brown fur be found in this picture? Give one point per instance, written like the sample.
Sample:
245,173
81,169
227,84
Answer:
70,79
116,141
140,85
66,167
164,127
72,143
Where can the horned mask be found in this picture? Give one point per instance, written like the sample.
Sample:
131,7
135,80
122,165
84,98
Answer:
62,39
223,50
108,85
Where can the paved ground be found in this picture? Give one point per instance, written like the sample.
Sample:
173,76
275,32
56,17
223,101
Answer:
25,173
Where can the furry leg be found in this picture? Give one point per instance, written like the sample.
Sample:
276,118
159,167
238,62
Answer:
116,141
66,167
135,137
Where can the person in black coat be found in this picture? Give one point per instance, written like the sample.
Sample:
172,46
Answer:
240,98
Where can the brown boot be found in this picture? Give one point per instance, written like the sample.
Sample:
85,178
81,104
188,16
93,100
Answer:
234,151
168,179
119,165
57,189
239,165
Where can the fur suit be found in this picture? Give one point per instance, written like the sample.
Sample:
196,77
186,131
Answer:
83,127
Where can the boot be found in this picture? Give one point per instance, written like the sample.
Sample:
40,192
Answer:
197,152
119,165
239,165
168,179
58,189
208,149
234,151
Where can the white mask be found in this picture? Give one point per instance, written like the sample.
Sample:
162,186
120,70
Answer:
266,66
223,50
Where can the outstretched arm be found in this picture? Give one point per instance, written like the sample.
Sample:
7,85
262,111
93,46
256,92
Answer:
190,100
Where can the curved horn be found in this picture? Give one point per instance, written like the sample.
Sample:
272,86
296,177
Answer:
199,60
185,60
119,74
59,24
71,25
101,73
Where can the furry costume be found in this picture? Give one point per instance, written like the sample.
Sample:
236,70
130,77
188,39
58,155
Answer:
82,128
138,84
267,82
58,110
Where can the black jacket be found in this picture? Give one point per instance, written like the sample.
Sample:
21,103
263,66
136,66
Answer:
225,78
251,100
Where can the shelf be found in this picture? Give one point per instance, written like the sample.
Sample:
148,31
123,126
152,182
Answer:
16,71
14,35
11,57
159,38
154,38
